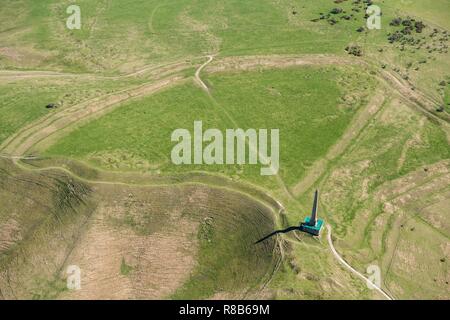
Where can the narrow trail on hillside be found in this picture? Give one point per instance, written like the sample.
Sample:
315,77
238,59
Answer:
5,156
14,75
153,14
351,269
197,73
174,66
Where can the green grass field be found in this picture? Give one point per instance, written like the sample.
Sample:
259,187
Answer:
377,148
283,100
24,101
156,31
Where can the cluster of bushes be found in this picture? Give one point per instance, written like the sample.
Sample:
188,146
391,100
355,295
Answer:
408,35
409,24
337,13
354,50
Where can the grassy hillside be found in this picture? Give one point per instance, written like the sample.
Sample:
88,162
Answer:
130,34
207,235
377,193
363,116
39,235
25,100
306,104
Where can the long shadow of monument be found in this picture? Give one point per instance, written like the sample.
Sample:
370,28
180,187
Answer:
277,232
311,225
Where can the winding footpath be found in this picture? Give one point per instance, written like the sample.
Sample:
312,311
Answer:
351,269
197,73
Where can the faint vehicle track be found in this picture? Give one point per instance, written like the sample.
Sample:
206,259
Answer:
175,66
247,63
5,156
7,74
152,15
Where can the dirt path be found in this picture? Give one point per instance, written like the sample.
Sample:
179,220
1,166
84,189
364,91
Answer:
197,73
6,74
5,156
164,68
350,268
152,15
247,63
224,64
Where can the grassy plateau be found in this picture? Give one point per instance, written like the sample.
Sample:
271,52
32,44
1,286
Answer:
87,180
